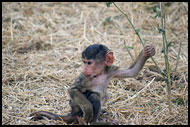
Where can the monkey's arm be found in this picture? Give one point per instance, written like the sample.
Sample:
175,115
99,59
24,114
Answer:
77,95
85,105
134,69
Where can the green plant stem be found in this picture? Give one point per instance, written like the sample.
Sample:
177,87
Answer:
128,51
130,23
165,46
178,57
139,37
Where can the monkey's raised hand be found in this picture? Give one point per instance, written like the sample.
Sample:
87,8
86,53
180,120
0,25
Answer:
148,51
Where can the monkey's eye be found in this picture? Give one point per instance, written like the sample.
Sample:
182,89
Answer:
84,62
89,63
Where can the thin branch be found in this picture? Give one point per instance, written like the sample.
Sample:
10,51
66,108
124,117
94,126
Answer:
178,56
165,46
135,95
137,33
128,50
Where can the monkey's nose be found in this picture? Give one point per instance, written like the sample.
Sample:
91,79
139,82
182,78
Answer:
85,74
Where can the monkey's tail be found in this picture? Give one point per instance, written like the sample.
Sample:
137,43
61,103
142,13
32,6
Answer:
39,115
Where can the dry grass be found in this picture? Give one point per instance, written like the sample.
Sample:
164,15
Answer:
41,57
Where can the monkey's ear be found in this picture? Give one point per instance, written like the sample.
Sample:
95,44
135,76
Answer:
109,59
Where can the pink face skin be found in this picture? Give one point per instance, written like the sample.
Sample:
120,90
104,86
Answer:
91,68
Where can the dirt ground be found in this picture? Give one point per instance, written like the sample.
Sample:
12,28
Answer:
41,57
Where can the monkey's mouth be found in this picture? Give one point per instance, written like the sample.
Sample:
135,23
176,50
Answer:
92,76
96,75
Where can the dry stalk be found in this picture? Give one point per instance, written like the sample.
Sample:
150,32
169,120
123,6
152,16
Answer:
134,96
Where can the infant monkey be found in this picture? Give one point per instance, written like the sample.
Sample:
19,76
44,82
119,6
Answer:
88,92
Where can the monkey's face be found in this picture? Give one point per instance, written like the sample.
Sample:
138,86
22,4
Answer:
92,68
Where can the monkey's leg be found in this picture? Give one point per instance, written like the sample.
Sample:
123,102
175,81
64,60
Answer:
85,105
39,115
94,98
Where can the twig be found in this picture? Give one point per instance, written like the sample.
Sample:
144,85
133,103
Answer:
128,50
51,38
130,23
165,46
11,28
137,33
142,89
133,95
178,56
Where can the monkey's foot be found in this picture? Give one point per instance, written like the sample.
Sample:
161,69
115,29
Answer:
81,120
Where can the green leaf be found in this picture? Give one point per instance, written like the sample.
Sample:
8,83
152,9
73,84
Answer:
138,29
169,44
156,9
108,19
150,103
162,51
160,30
108,4
178,101
130,47
157,15
116,17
